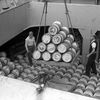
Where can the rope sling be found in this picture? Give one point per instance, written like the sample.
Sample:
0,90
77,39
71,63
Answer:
44,12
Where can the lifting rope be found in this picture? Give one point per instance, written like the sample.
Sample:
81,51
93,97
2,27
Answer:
68,17
46,4
45,12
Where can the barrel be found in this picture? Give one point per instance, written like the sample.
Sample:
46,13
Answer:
63,47
73,51
68,56
70,36
57,23
16,72
54,29
51,48
63,34
36,54
69,41
56,56
75,46
58,38
41,47
46,56
6,70
65,29
46,38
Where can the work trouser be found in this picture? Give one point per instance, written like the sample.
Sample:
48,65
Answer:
29,54
91,64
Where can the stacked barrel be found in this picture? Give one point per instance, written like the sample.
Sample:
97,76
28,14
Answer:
57,45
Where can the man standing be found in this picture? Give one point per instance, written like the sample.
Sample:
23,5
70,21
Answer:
91,57
30,46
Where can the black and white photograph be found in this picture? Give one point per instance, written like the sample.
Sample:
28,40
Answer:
49,49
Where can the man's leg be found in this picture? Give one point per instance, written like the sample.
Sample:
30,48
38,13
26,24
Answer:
30,58
93,66
31,50
88,67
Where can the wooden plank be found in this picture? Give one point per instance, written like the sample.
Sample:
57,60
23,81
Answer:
12,89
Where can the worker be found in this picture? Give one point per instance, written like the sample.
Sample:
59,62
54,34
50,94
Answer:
90,66
30,46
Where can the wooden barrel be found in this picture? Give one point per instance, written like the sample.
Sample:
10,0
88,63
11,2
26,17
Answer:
73,51
70,36
68,56
46,56
63,34
46,38
63,47
58,38
36,54
51,48
69,41
41,47
57,23
65,29
54,29
75,46
56,56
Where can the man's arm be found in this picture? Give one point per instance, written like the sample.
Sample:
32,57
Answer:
93,50
26,45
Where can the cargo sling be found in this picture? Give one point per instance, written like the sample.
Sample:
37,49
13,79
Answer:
45,12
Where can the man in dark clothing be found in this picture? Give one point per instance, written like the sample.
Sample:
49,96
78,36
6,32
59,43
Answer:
91,57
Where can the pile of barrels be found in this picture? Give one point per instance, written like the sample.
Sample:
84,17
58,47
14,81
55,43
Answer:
71,74
17,69
88,86
57,45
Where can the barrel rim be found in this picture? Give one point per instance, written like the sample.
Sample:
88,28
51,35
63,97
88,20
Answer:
54,56
47,53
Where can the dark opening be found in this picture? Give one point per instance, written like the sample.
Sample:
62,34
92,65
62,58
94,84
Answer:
17,44
78,38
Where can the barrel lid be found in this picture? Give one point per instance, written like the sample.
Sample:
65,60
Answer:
51,47
41,47
36,54
46,56
46,38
